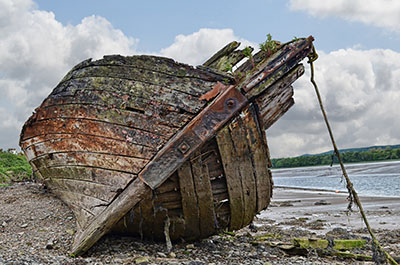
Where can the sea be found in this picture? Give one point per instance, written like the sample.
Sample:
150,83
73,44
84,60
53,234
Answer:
369,179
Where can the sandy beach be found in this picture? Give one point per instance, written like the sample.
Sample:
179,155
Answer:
331,207
37,228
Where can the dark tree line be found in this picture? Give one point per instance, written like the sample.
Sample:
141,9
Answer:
347,157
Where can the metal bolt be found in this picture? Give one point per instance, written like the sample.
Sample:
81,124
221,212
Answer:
230,103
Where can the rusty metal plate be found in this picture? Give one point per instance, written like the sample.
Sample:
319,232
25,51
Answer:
196,132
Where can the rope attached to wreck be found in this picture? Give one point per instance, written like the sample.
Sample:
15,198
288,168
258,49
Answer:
378,250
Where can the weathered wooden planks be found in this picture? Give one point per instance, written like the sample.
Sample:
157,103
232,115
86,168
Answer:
258,153
105,161
189,201
103,222
130,118
118,180
232,172
245,162
93,128
79,143
203,192
189,85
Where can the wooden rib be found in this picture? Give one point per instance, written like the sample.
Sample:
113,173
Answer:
190,205
232,173
204,195
238,134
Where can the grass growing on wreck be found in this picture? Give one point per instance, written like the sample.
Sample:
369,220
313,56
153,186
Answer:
13,168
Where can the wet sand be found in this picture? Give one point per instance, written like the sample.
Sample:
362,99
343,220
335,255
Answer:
322,211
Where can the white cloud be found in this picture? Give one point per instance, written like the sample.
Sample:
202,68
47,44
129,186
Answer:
37,50
197,47
384,13
360,91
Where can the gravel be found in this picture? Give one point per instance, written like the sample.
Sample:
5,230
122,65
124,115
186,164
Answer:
37,228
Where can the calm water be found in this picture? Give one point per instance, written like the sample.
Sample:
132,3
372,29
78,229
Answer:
378,179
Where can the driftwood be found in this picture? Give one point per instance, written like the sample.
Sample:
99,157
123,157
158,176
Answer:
142,144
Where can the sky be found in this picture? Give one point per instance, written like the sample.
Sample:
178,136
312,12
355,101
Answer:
358,70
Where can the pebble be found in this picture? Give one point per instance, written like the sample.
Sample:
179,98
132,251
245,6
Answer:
48,240
24,225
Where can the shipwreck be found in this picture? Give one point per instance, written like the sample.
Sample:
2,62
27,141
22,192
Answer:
143,144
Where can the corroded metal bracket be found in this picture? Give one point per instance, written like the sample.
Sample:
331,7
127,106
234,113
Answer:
196,132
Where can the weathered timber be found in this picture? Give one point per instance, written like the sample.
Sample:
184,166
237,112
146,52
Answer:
274,67
78,143
113,120
103,222
204,195
232,171
189,202
131,118
157,64
243,159
105,161
192,136
279,106
257,145
188,85
96,175
94,128
227,62
228,49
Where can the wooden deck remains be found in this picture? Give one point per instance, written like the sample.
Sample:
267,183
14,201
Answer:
133,143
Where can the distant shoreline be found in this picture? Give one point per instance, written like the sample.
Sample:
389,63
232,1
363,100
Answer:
307,189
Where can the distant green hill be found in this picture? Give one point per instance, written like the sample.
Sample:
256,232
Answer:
349,155
360,149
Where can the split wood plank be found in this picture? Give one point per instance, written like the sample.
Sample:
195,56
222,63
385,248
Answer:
232,173
204,195
190,205
258,154
226,50
243,159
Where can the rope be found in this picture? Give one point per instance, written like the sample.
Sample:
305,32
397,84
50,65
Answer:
377,248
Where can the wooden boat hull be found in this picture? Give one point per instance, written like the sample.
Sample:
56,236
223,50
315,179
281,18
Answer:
108,119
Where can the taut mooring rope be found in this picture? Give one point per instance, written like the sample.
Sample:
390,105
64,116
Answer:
352,192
